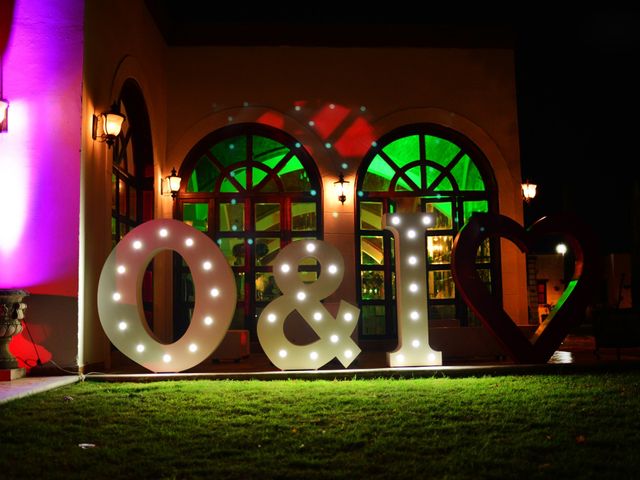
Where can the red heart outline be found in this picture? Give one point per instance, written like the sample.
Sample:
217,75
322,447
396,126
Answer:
571,306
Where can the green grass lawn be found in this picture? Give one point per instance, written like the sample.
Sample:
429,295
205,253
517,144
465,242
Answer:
577,426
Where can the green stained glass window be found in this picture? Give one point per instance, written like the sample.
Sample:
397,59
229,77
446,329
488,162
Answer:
267,217
440,150
415,175
294,176
203,177
404,150
230,151
467,175
196,215
474,206
233,249
442,214
257,176
228,187
231,217
379,175
268,151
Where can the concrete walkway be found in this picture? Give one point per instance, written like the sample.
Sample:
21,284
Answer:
29,385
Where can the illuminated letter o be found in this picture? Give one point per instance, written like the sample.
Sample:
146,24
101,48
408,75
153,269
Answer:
120,305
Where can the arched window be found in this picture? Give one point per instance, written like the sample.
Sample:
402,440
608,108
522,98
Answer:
420,168
253,189
132,176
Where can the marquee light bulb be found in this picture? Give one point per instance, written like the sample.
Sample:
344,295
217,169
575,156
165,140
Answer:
348,317
301,296
282,353
215,292
189,242
427,220
400,358
411,234
413,287
414,315
284,268
121,269
271,317
333,269
348,353
122,326
193,348
116,297
137,244
139,348
208,321
207,265
334,338
163,232
311,247
166,358
313,355
395,220
431,357
413,260
317,316
415,343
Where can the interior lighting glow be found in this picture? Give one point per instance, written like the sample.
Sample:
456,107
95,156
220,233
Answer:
561,248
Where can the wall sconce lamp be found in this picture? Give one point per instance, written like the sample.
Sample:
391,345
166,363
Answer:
528,191
340,188
173,182
111,125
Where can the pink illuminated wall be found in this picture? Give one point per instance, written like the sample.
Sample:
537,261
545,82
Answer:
40,154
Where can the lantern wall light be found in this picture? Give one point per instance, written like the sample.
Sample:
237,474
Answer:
171,184
340,188
528,191
112,121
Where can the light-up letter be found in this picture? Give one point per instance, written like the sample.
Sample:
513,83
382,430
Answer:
215,296
411,291
334,332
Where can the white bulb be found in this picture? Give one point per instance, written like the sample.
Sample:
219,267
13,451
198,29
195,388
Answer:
395,220
311,247
313,355
282,353
413,287
414,315
271,317
193,347
121,269
207,265
426,220
333,269
166,358
348,353
137,244
431,357
140,348
163,232
415,343
122,326
400,358
189,242
411,234
348,317
208,321
317,316
214,292
284,268
301,296
413,260
561,248
116,297
334,338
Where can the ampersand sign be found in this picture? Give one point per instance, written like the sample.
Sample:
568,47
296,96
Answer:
335,332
